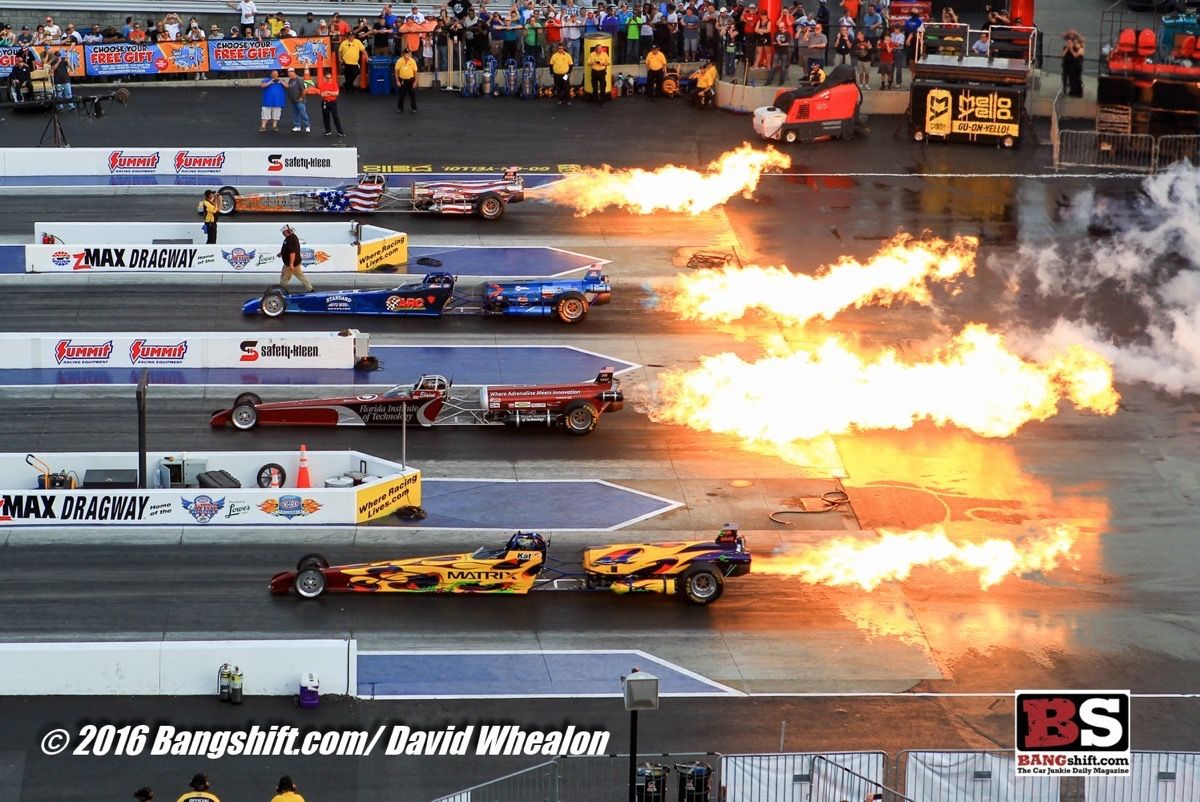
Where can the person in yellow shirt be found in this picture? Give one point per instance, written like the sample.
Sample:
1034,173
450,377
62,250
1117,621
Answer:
285,791
199,792
599,62
656,67
209,207
706,82
560,67
350,52
275,24
406,81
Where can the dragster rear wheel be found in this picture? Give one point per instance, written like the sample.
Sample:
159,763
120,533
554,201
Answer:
580,418
571,307
246,398
312,560
700,584
227,200
490,206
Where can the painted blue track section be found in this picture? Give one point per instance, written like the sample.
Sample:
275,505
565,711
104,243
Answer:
489,261
514,673
399,365
531,505
12,258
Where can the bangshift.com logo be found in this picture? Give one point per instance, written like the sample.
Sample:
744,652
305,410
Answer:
1077,733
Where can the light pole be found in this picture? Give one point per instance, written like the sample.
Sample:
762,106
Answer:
641,693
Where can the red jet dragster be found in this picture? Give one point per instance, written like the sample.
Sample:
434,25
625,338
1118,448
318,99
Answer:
433,402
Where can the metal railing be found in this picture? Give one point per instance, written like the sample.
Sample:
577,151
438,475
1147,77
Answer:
969,776
1137,152
808,776
601,778
1155,777
1055,111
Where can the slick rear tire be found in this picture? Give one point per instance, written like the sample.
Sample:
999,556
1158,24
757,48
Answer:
226,200
246,398
700,584
312,560
490,206
274,302
580,418
309,583
571,307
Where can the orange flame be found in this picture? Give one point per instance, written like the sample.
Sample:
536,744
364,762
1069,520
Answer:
974,383
848,562
670,188
899,272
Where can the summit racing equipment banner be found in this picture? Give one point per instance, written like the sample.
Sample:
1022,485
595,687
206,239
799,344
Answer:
128,58
202,167
181,350
967,113
230,55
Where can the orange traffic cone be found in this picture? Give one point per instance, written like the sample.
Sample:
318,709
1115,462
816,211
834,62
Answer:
302,479
275,479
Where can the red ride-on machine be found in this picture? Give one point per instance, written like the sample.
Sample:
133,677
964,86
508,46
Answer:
812,112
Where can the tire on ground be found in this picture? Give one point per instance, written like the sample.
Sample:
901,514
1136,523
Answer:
580,418
571,307
490,206
700,584
310,583
226,200
274,302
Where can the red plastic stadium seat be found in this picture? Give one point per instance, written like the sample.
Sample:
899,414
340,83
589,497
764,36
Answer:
1146,43
1187,48
1127,42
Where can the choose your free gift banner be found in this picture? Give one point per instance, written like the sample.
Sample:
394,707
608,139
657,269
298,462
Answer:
128,58
229,55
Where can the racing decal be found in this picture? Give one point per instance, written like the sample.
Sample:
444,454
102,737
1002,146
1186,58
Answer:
308,257
238,258
384,251
121,162
67,352
338,303
252,351
203,508
384,414
136,258
188,162
289,507
385,497
62,507
969,112
143,353
396,303
277,163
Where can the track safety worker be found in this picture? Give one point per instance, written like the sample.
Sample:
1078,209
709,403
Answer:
285,791
816,75
406,81
351,51
290,254
706,80
599,62
209,208
560,66
327,88
656,66
199,792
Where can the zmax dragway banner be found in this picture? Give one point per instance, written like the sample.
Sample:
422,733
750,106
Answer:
128,58
227,55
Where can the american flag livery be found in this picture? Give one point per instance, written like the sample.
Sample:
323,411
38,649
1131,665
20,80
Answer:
359,198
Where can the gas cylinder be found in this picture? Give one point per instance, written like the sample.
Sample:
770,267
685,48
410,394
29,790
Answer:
235,686
223,676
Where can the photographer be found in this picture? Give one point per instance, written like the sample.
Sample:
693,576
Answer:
1072,64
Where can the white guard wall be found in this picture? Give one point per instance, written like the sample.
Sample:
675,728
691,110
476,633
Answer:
174,668
187,165
110,233
253,350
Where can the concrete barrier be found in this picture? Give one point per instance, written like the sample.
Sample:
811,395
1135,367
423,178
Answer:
193,166
174,668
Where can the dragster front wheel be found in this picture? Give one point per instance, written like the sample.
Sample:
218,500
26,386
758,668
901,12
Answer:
227,200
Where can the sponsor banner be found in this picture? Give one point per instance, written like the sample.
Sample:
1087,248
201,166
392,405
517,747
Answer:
182,506
128,58
182,258
385,497
966,112
232,55
217,163
376,253
72,53
189,350
402,169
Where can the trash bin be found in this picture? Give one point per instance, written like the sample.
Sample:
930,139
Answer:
310,691
651,783
379,71
694,781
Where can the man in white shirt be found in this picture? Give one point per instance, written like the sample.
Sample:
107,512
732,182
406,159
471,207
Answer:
53,32
417,16
245,9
